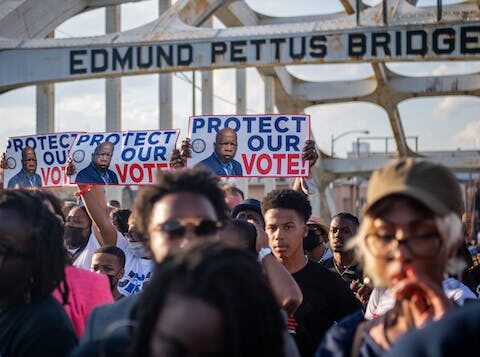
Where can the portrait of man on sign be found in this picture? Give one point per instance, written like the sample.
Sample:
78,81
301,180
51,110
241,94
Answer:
222,161
27,177
98,172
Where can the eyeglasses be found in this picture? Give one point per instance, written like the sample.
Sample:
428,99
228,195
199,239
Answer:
424,245
176,228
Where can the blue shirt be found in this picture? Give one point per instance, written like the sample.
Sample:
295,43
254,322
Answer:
25,179
91,174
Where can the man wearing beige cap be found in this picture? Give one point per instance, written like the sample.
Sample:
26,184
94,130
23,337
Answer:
410,230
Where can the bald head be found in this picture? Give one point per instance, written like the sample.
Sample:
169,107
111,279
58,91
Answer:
226,144
29,160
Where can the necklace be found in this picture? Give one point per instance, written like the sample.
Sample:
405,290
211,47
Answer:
338,269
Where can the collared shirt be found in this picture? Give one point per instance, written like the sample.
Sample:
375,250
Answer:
91,174
226,166
25,179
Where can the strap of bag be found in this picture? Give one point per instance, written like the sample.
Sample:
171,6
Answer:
357,339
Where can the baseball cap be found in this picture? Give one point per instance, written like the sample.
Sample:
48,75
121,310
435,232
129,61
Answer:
430,183
318,221
249,203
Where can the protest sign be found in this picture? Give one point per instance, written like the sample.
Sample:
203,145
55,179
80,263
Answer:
250,145
37,160
124,158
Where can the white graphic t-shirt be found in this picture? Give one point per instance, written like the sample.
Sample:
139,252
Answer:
137,270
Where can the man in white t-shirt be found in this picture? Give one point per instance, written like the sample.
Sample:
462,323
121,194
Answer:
138,265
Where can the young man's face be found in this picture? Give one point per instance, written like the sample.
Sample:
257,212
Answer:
285,229
341,231
179,219
108,264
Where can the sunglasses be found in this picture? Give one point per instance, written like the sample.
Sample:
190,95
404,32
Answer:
176,228
316,229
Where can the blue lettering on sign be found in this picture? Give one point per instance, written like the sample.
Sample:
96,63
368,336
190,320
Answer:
140,139
151,137
264,124
235,121
278,122
128,154
249,121
96,139
273,142
298,121
198,123
48,158
114,138
17,144
83,139
126,137
255,143
169,134
31,142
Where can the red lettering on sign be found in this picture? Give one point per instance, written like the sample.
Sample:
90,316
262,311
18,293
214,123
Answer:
139,172
248,164
53,176
264,170
279,158
293,160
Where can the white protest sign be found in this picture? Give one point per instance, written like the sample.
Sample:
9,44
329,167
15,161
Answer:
37,160
123,158
250,145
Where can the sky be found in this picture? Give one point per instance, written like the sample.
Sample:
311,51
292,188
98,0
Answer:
439,123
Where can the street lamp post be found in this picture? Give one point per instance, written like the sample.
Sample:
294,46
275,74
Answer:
333,139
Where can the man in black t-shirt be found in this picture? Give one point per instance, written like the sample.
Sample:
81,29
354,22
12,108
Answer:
326,297
343,227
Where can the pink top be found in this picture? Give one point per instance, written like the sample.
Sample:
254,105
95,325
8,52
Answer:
87,291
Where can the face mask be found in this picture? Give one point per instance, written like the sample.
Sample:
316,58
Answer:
139,250
73,237
310,241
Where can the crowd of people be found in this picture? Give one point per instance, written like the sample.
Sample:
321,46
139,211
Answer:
194,268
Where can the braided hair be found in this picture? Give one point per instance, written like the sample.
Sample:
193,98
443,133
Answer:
44,233
226,278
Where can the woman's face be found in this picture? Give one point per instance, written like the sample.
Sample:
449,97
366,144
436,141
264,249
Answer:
187,327
405,235
14,254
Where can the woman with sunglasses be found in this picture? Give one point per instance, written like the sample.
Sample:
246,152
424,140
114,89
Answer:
410,230
32,262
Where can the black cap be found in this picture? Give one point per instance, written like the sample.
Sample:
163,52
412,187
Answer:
249,203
